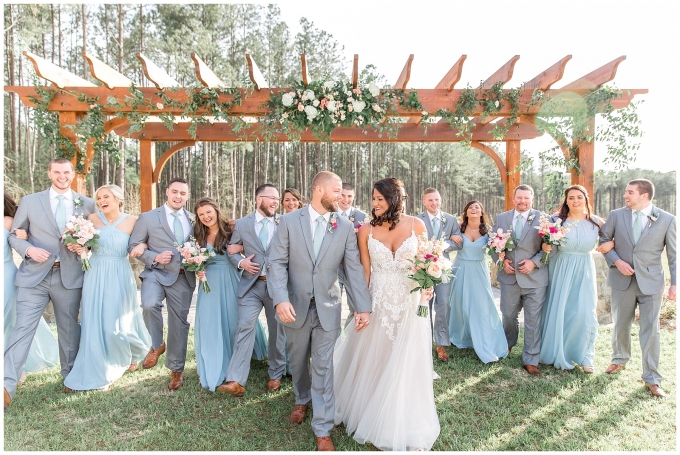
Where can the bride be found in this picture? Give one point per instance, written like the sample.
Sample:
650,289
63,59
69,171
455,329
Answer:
383,374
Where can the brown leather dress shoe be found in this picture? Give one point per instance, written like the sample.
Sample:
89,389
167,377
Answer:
8,400
324,444
614,368
298,415
657,391
176,380
151,358
532,370
232,388
68,390
441,354
273,385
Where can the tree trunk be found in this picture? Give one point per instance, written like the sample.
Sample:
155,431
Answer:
84,18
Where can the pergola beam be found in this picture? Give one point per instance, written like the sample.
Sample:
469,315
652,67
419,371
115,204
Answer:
597,78
502,75
104,73
55,74
255,74
405,75
157,75
547,78
305,75
355,71
448,81
166,156
205,75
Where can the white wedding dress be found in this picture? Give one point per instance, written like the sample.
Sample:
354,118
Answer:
383,374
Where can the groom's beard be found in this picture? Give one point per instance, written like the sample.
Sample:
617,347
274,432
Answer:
330,204
267,210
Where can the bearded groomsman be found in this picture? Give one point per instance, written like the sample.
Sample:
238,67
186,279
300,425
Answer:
640,232
164,278
255,233
443,226
50,271
356,217
523,278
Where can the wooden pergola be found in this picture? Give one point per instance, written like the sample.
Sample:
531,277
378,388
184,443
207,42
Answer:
443,96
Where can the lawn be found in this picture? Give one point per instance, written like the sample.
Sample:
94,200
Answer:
481,407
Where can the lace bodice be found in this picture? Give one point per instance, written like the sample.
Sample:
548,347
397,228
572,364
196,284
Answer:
390,286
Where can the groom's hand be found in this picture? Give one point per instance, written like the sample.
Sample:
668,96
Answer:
360,321
286,312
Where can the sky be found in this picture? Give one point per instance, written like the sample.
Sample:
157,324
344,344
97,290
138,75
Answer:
490,32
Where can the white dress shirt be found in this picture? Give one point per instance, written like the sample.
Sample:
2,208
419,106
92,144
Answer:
525,215
432,217
186,224
313,215
68,203
348,212
270,225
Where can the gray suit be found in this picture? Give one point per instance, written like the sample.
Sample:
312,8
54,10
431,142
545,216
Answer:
39,282
523,290
252,297
440,301
356,217
643,288
167,282
312,288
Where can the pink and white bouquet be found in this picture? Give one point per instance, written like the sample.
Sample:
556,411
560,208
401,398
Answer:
499,242
429,267
196,259
80,231
552,233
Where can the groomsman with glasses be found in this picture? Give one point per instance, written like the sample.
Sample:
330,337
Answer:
640,232
443,226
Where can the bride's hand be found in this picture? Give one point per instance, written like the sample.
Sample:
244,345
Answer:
426,294
360,321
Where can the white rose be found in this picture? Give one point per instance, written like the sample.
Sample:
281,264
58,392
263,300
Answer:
331,106
374,89
376,107
350,99
328,85
309,95
315,103
287,100
434,270
359,106
311,112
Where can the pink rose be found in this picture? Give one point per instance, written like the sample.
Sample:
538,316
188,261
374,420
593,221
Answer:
301,107
553,230
159,105
81,241
434,270
357,90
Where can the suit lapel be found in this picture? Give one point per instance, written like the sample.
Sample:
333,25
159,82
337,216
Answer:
255,240
190,217
327,239
628,222
163,220
426,219
45,200
307,231
645,229
527,225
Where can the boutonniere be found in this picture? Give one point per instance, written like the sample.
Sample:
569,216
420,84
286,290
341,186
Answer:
531,217
333,221
652,218
77,202
192,220
442,218
352,215
277,219
361,223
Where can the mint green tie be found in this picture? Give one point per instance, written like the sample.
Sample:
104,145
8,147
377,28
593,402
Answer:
435,226
318,236
637,226
60,214
264,233
343,214
177,227
519,224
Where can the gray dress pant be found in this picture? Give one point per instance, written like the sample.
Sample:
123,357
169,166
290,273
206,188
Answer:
31,303
623,314
312,340
341,282
442,311
178,299
513,299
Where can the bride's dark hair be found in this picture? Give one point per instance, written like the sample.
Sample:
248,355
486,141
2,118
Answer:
395,195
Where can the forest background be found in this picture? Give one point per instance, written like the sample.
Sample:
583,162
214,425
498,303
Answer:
221,34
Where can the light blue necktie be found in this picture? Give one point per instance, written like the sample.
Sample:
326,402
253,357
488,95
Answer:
435,226
60,214
519,224
637,226
177,227
318,236
264,233
343,214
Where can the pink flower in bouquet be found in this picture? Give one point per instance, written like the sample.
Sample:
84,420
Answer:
301,107
434,269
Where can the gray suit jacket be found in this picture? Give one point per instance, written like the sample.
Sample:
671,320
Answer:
450,228
645,257
35,216
153,229
295,277
358,216
244,234
528,247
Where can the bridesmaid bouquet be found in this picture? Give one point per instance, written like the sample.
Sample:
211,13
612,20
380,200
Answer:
80,231
196,259
552,234
429,267
499,242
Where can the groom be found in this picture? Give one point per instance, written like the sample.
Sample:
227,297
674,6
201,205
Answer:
50,271
640,232
305,255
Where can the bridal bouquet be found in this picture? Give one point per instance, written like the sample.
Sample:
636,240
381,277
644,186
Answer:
500,242
552,234
196,259
80,231
429,267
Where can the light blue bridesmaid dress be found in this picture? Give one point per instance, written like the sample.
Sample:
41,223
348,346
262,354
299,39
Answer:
569,312
113,334
44,352
216,323
474,320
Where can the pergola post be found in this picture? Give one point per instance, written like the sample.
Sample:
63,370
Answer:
586,161
147,187
512,160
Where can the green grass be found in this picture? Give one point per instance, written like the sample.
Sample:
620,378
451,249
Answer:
481,407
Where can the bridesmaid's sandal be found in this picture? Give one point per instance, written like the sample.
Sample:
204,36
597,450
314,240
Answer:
133,367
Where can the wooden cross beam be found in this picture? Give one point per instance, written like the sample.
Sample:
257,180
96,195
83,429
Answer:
204,74
158,76
405,75
104,73
305,76
449,80
255,74
597,78
55,74
503,75
547,78
355,71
